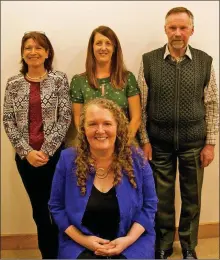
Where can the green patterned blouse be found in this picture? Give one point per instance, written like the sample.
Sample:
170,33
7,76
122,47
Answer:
81,92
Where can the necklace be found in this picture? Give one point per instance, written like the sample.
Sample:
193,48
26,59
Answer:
37,78
101,173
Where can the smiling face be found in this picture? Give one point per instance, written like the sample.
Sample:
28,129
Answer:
33,54
100,129
178,29
102,48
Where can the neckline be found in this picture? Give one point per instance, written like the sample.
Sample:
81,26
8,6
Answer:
105,193
32,82
104,80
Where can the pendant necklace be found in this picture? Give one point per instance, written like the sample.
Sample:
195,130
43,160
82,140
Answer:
101,173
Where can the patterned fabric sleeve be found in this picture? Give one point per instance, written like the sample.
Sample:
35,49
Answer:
53,141
144,92
132,86
10,124
211,107
76,94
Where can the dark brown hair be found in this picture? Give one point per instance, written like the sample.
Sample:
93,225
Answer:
44,42
122,155
119,72
176,10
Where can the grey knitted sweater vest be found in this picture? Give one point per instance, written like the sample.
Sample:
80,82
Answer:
175,107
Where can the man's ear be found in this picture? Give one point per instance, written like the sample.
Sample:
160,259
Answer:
165,28
192,31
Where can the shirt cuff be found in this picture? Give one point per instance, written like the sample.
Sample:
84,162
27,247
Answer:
211,139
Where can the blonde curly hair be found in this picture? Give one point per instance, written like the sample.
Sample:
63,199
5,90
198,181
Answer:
122,159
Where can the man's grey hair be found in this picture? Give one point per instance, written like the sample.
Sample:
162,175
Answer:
176,10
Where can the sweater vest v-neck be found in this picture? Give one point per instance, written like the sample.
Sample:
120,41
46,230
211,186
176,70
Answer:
175,107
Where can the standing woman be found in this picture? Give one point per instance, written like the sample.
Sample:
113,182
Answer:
106,76
36,117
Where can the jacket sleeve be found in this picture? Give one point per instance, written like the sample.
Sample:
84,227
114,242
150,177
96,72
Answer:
57,197
10,125
146,215
53,141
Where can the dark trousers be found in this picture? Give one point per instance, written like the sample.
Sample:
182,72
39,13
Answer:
37,182
164,165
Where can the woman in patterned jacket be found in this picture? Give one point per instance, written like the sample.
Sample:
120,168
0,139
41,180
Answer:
36,117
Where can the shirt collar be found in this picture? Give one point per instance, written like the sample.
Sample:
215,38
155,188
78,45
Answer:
187,53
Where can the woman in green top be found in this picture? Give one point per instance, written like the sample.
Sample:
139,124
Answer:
106,76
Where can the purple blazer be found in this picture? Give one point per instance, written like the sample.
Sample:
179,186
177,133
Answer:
139,205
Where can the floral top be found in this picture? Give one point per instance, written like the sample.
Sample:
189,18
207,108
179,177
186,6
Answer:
82,92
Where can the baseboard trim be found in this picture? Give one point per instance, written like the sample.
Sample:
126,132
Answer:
29,241
19,241
206,230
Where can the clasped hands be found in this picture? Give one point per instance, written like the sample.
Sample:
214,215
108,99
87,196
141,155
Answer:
37,158
105,247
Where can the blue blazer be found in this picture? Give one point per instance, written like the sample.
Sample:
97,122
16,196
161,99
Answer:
139,205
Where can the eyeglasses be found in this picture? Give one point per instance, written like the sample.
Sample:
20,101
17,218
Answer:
41,32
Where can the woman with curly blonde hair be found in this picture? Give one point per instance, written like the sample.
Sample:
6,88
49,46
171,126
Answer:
103,194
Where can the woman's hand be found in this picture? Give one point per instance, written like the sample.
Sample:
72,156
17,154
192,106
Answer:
94,243
115,247
37,158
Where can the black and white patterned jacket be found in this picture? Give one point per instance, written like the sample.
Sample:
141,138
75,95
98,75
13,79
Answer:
56,112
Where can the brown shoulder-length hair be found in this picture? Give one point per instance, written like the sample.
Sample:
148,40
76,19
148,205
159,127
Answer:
122,159
119,72
44,42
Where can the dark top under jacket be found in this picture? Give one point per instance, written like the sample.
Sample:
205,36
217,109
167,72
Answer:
102,214
102,218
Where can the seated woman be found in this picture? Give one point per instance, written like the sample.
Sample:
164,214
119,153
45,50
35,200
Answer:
107,77
103,194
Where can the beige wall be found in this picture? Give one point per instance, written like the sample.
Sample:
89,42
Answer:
140,29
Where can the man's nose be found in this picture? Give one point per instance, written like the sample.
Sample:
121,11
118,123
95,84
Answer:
178,32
